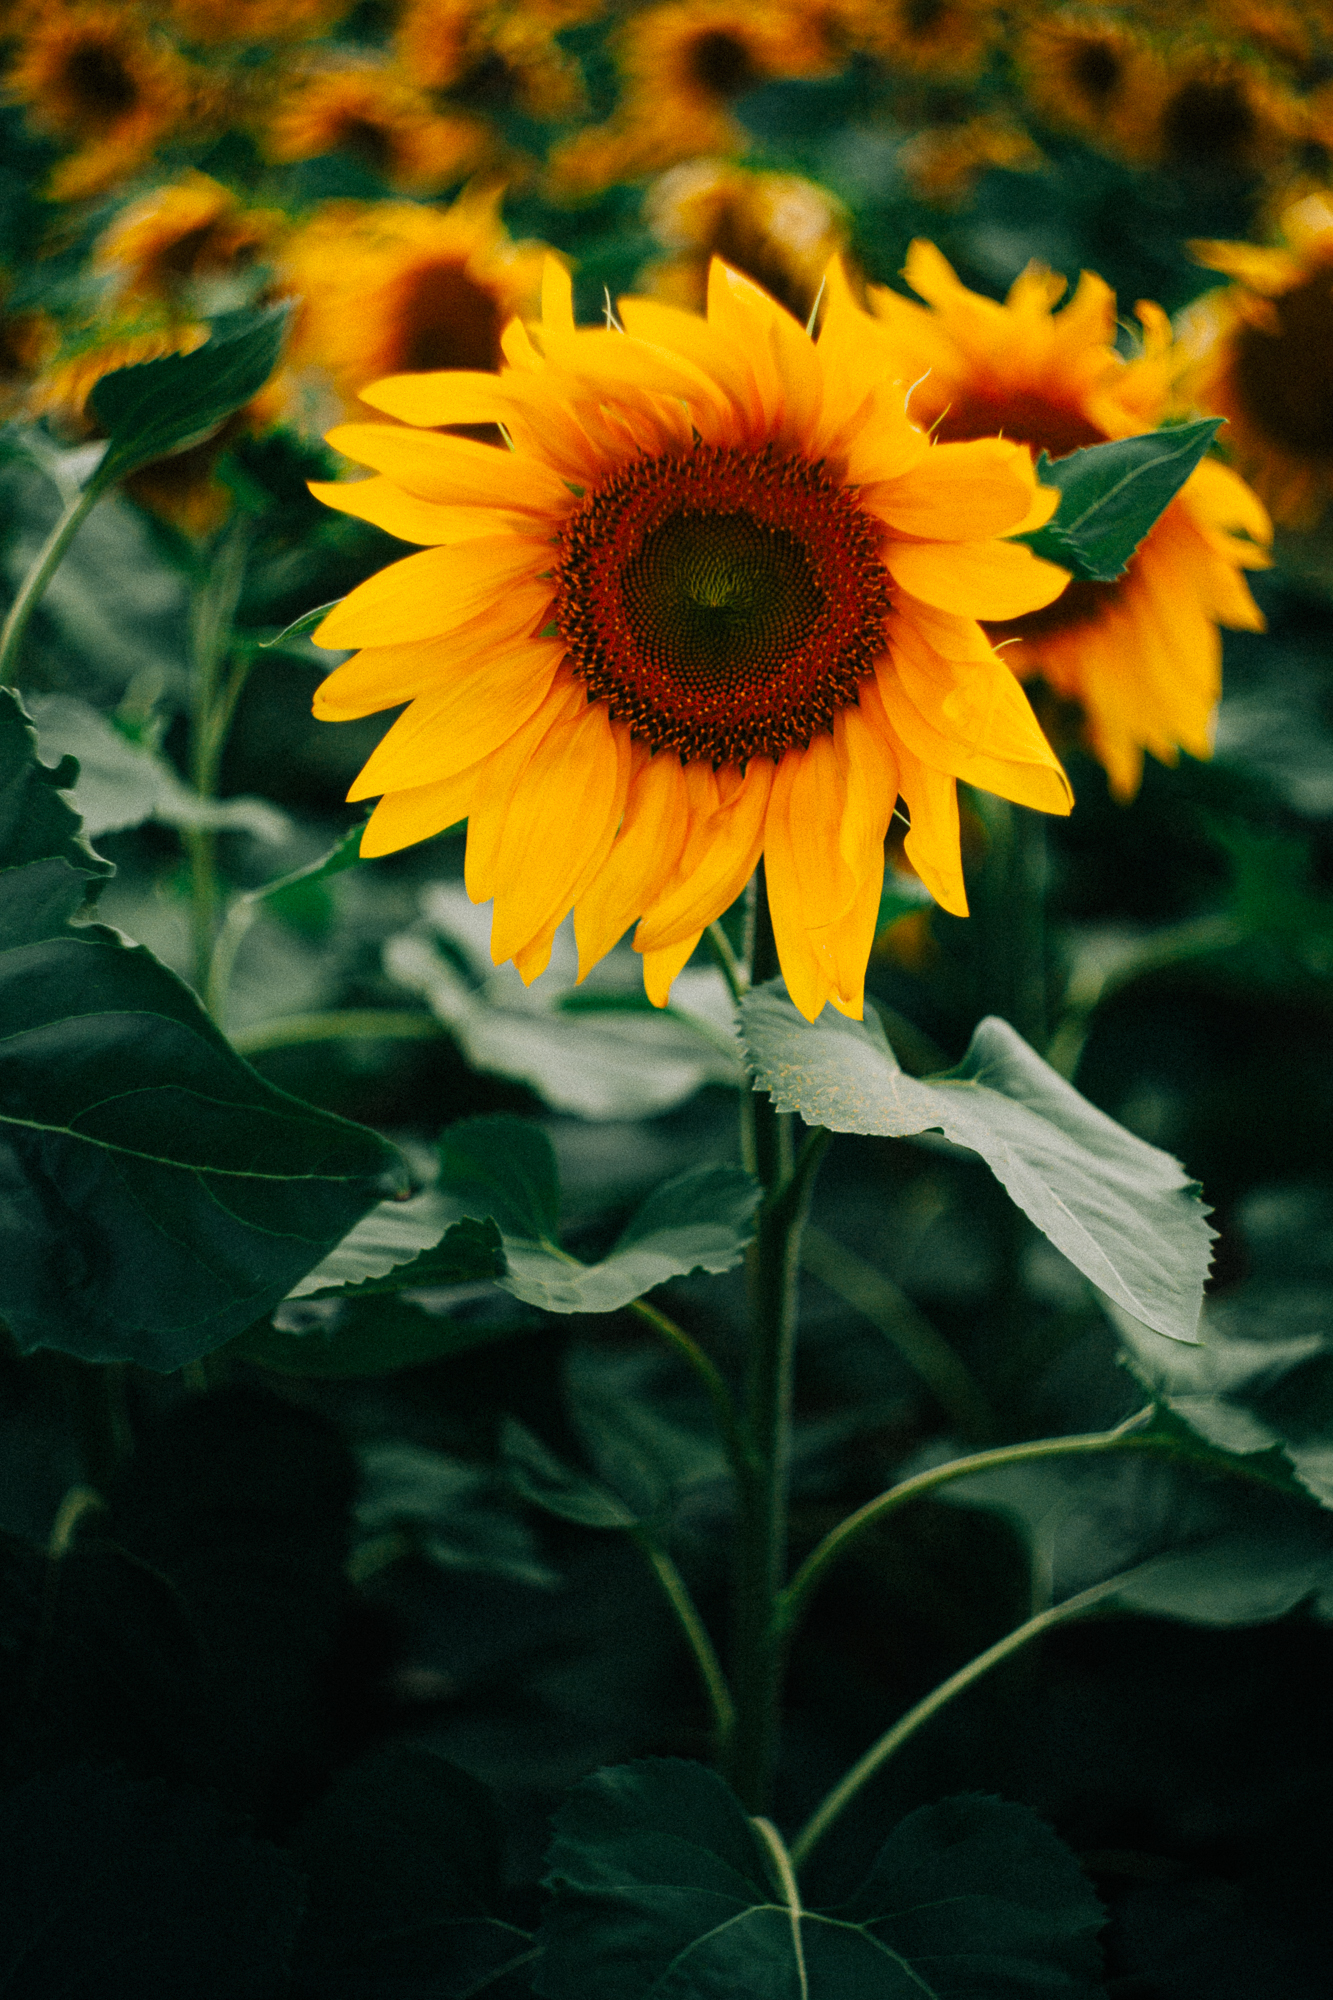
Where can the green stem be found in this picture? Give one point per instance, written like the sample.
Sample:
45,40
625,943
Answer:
1010,918
837,1541
351,1024
213,698
33,586
906,1727
727,962
734,1440
893,1314
696,1635
102,1417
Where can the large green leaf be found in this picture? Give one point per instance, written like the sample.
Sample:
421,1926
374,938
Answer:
1111,494
1124,1213
160,1195
458,1514
598,1050
406,1246
159,407
660,1885
504,1168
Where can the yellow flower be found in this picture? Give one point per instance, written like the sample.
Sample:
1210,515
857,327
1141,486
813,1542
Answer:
218,21
943,163
1142,655
1260,353
372,114
1223,110
946,38
778,229
489,58
684,65
391,287
191,231
718,602
97,75
1086,72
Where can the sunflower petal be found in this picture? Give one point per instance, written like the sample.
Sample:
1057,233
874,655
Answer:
719,858
959,492
455,471
388,506
978,579
431,593
640,863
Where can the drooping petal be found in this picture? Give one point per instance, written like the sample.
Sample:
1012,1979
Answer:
719,859
934,845
403,818
389,506
660,967
642,860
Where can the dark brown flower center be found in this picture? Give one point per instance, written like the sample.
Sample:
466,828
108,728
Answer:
1284,378
1210,122
725,604
1096,71
444,319
722,64
99,83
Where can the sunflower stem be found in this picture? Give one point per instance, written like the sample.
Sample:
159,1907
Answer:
214,693
33,586
772,1271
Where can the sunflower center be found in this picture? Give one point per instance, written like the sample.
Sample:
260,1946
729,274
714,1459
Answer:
444,320
722,64
1096,71
366,140
1209,123
1285,377
99,83
725,604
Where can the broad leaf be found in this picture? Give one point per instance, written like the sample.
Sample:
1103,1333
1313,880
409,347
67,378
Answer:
352,1335
1111,495
558,1488
160,407
504,1168
458,1515
123,1890
406,1246
1124,1213
160,1195
122,784
403,1859
598,1050
660,1885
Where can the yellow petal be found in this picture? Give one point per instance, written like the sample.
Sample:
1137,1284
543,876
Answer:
719,858
501,775
933,845
959,492
443,396
428,594
660,968
557,296
386,676
846,944
456,471
389,506
977,579
643,859
402,818
457,724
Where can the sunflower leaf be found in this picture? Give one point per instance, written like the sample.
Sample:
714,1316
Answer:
159,407
1121,1211
660,1883
406,1246
1112,494
160,1195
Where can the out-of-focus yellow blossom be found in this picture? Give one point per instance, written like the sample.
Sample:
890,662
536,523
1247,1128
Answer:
368,111
489,58
182,236
777,228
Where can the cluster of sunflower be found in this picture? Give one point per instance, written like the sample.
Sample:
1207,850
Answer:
745,574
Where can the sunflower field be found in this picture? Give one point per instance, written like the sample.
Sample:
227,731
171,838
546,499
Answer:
666,987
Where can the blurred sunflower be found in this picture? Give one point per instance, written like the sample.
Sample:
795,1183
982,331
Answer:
684,65
1090,73
946,38
1142,656
255,21
778,229
489,58
1222,109
371,113
391,287
718,602
1260,353
101,77
944,162
193,233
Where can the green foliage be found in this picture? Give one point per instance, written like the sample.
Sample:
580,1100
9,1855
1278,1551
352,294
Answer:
404,1247
125,1889
159,407
458,1515
163,1196
661,1885
1121,1211
505,1168
404,1855
1111,495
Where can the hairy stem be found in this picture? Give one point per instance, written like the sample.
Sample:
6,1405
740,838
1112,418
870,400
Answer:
878,1755
677,1594
33,586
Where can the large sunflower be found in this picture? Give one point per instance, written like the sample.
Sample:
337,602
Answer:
1142,655
1261,353
718,602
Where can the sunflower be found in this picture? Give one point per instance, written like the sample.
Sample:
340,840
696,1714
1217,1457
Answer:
371,113
718,602
778,229
489,58
943,163
192,232
255,21
945,38
1260,353
1222,110
97,75
1089,73
684,65
1142,655
391,287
